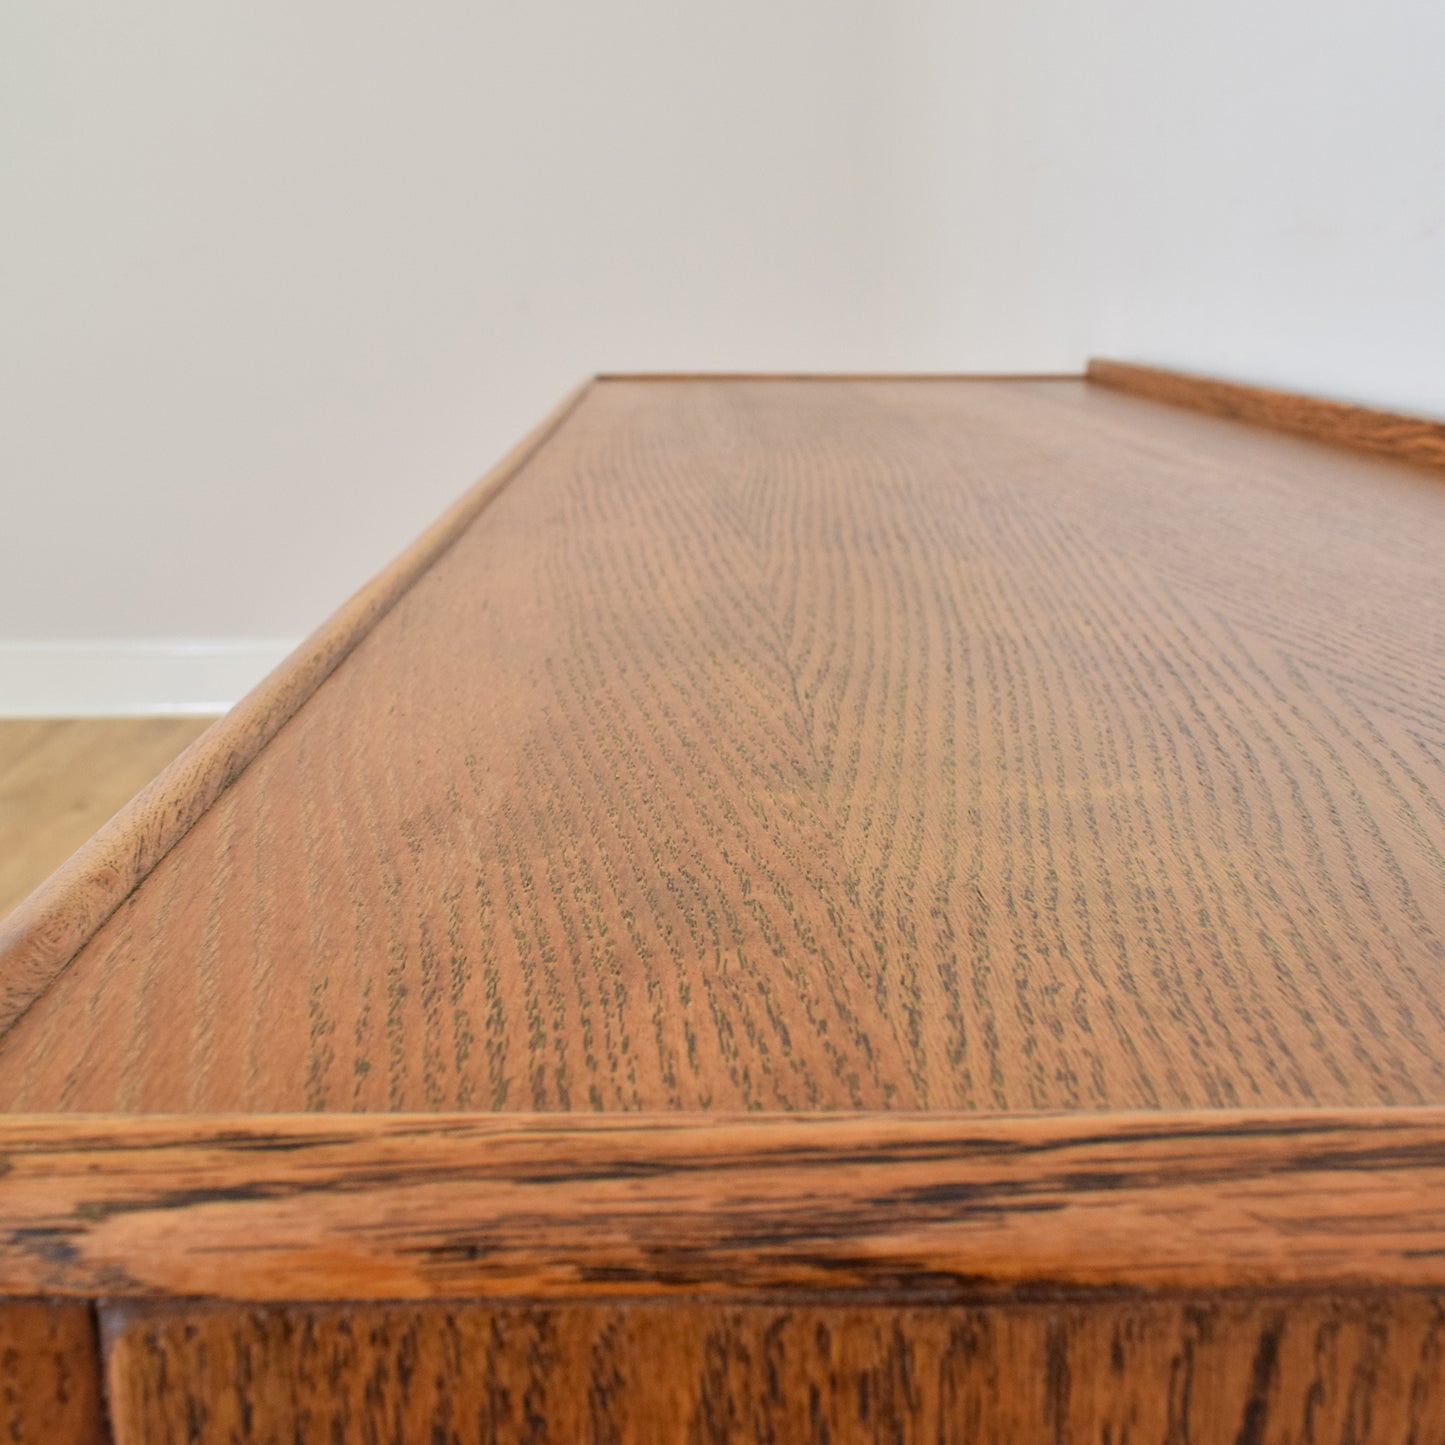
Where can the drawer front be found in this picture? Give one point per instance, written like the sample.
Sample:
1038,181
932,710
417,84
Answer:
1264,1369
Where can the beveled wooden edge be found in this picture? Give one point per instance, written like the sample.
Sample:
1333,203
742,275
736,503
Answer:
40,937
904,376
444,1207
1405,438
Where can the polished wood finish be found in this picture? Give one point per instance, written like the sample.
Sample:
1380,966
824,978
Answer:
830,909
1407,438
50,1387
39,938
1262,1371
850,745
62,778
381,1207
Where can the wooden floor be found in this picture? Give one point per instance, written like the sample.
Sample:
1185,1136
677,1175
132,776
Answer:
61,778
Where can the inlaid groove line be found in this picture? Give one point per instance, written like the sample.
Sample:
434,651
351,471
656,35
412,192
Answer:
45,931
1405,438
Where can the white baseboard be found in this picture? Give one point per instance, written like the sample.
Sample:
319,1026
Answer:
133,677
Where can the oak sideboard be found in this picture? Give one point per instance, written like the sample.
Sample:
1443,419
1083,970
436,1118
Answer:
804,909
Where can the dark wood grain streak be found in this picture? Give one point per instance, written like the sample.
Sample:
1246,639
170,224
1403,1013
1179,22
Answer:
40,937
50,1387
1368,1371
1407,438
378,1207
831,745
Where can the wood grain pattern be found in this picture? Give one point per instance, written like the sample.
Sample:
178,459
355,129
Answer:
41,936
1263,1371
61,778
831,745
380,1207
1407,438
50,1387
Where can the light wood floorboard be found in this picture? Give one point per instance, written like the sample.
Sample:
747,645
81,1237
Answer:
61,778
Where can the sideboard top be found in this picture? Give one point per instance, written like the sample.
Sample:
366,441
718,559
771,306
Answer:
827,745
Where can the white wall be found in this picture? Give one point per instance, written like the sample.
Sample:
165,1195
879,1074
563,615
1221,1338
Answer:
279,279
1258,185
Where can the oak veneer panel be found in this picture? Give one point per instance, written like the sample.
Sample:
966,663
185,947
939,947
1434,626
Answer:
41,936
50,1389
1261,1371
831,745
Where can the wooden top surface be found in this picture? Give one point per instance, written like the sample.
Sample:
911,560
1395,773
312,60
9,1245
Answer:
831,745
